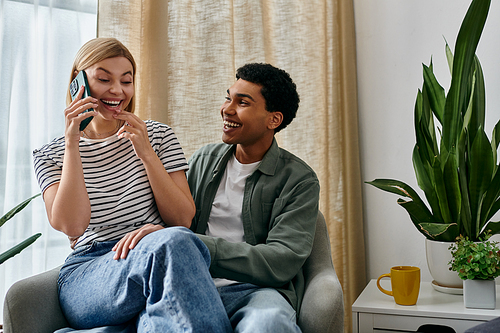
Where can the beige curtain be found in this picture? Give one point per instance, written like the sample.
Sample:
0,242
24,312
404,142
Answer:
187,52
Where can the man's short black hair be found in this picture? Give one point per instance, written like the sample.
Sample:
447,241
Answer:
278,89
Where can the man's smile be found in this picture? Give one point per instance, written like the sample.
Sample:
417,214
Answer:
229,124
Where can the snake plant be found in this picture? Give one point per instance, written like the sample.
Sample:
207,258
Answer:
454,161
24,244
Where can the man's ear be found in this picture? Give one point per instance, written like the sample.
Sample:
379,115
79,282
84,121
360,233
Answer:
276,118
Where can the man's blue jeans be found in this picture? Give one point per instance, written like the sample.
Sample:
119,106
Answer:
254,309
164,284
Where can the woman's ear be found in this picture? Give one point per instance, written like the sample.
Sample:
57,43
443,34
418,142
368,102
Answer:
276,118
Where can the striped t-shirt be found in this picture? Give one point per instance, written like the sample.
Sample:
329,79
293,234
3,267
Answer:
121,197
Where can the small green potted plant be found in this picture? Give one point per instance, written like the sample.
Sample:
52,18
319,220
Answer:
24,244
478,264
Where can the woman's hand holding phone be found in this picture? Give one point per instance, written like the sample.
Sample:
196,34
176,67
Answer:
74,114
79,81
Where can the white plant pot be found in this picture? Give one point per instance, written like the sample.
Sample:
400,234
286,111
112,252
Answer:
438,257
480,294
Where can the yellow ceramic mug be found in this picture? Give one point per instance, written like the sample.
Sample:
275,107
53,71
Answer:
405,283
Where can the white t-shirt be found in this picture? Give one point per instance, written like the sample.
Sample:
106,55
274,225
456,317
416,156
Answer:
225,217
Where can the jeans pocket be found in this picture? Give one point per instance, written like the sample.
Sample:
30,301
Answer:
73,261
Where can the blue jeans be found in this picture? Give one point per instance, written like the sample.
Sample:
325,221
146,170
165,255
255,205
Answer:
164,285
254,309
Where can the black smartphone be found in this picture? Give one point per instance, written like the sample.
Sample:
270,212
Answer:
74,87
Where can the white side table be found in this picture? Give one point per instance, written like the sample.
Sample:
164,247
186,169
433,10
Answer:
374,311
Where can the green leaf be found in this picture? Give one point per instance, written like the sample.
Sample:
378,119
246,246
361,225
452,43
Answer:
18,248
16,210
449,56
488,208
440,188
421,108
465,211
415,207
495,140
478,101
418,214
424,127
491,227
452,187
481,170
465,48
423,172
397,187
435,93
494,209
443,232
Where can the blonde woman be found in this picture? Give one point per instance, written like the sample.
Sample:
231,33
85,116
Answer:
118,190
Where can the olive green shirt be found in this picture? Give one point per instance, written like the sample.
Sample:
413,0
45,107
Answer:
280,207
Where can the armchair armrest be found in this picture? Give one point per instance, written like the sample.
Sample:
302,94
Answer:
32,305
322,308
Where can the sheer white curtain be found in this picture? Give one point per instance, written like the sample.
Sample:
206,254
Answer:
39,39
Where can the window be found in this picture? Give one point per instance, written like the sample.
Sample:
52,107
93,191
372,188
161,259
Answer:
39,39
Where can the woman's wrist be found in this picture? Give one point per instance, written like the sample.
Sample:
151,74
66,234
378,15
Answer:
72,144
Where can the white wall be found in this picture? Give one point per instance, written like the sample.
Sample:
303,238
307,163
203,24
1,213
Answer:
393,39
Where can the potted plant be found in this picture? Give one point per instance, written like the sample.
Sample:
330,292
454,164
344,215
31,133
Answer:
24,244
478,264
454,161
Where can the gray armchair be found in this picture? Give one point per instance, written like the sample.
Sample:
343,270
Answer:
32,306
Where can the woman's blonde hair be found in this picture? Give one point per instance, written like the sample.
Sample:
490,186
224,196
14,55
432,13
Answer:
96,50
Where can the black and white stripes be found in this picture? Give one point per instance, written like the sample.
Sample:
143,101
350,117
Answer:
117,184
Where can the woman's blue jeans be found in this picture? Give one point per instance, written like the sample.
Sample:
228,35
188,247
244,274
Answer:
164,284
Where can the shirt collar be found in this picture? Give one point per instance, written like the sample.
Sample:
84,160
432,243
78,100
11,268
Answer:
267,166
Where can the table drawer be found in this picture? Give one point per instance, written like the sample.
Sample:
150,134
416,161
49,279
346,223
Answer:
370,322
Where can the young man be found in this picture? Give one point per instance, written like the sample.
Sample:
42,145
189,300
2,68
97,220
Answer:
257,204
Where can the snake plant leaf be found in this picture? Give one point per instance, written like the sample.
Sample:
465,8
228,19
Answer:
396,187
10,214
18,248
443,232
440,188
415,207
491,228
488,203
465,212
435,93
418,213
465,48
423,173
452,187
494,209
449,56
424,127
495,140
426,145
478,99
481,173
